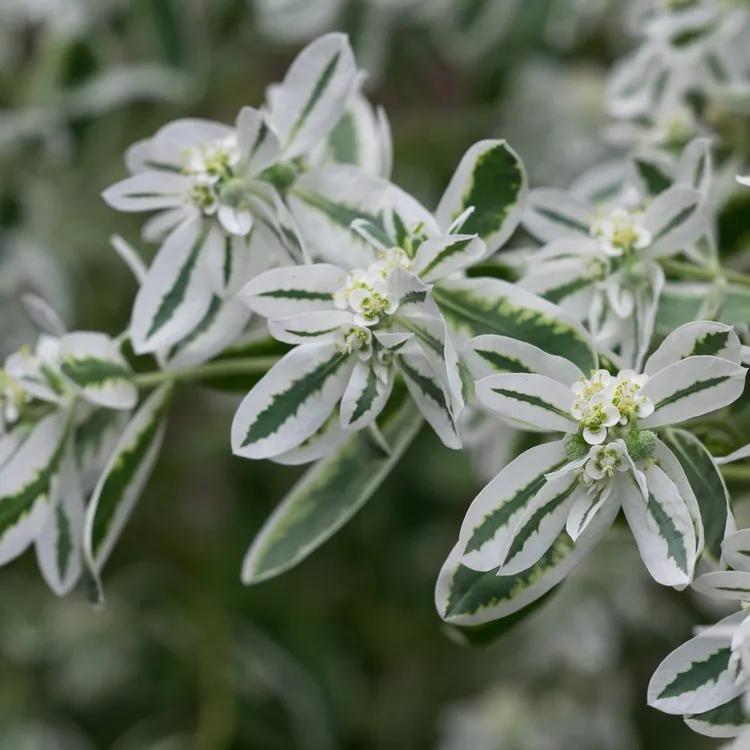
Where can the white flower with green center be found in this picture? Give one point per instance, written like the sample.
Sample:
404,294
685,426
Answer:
353,332
600,263
536,519
621,231
707,679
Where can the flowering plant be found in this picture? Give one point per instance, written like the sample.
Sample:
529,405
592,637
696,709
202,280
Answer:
597,322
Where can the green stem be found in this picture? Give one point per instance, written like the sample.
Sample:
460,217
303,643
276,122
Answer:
218,368
734,473
704,273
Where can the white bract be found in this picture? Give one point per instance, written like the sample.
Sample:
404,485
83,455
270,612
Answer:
609,458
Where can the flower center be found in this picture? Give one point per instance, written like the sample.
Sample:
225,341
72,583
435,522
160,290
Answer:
621,231
367,295
211,165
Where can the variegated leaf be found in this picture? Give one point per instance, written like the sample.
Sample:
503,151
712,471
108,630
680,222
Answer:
464,596
491,180
123,480
291,401
696,677
94,364
727,720
28,484
483,305
328,496
707,484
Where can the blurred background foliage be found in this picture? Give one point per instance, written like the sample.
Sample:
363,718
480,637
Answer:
346,651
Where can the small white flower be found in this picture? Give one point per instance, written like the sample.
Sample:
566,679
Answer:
627,396
603,461
621,231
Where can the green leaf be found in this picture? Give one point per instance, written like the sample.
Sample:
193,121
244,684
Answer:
725,721
707,484
327,496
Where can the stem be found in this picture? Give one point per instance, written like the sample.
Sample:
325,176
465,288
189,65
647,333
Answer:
690,271
219,368
735,473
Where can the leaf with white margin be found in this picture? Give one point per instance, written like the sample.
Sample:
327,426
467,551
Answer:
291,401
724,584
662,526
671,466
328,495
326,201
727,720
586,506
630,87
489,354
491,179
306,106
701,337
675,220
222,324
58,546
319,445
365,396
291,290
541,523
174,295
361,137
691,387
28,483
94,363
309,327
438,257
256,139
495,512
483,305
431,396
707,484
737,455
696,677
554,214
464,596
528,398
123,480
695,166
736,549
148,191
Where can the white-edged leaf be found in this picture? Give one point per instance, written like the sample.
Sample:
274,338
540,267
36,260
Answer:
94,363
148,191
309,327
290,290
700,337
529,399
58,546
491,179
438,257
553,214
675,220
724,584
736,549
365,396
727,720
479,306
28,484
291,401
691,387
327,496
696,676
308,103
497,509
123,480
173,296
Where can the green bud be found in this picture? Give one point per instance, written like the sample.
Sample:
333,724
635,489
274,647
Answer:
575,447
641,444
281,176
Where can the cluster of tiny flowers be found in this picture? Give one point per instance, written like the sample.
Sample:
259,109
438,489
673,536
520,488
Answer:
603,401
211,166
621,232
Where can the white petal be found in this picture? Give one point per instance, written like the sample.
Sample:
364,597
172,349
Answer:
148,191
